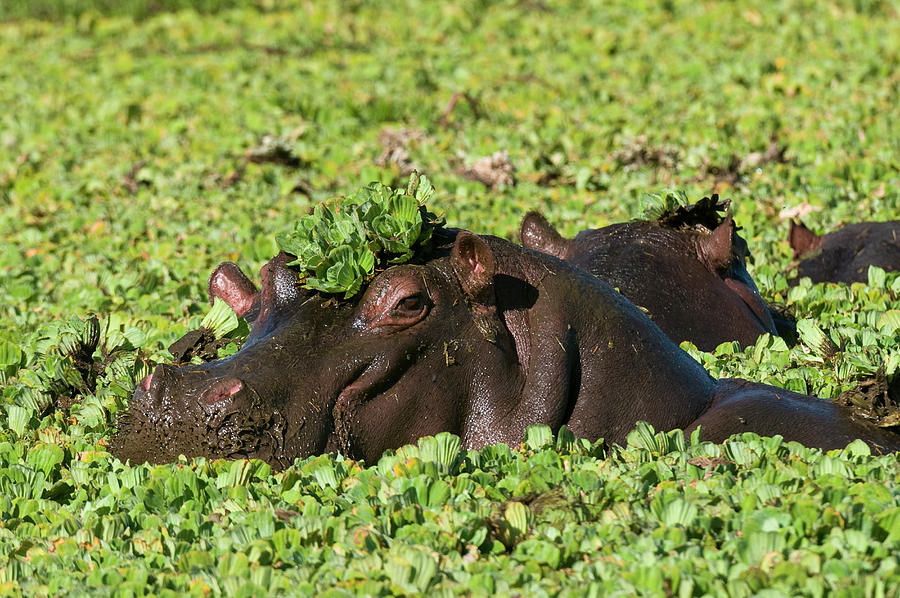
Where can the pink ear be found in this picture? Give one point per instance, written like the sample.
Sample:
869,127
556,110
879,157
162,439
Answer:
715,248
228,283
473,263
538,234
803,240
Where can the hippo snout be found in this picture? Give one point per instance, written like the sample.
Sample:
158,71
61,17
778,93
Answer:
153,388
195,410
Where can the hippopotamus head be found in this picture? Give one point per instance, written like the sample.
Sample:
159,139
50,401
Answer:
845,254
311,365
687,271
479,337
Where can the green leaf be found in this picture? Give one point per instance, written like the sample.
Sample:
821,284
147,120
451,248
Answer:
517,516
18,418
889,521
813,337
411,569
876,277
643,436
671,508
221,319
540,551
405,209
10,354
538,436
442,448
44,457
424,190
889,321
654,206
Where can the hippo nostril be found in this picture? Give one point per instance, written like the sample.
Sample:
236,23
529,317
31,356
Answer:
221,390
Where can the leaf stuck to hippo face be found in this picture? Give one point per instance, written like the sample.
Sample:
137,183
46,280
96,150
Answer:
480,337
687,269
845,255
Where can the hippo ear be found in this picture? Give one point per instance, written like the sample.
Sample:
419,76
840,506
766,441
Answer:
715,249
228,283
473,263
538,234
803,240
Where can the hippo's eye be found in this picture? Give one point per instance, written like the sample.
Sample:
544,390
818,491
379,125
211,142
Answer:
402,302
410,305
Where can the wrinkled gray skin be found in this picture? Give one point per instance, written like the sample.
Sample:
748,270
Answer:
846,254
481,339
692,282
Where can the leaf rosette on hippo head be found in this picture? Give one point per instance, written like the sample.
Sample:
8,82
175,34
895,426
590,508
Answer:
345,240
673,209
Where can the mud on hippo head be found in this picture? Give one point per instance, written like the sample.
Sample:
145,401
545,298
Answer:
686,268
318,373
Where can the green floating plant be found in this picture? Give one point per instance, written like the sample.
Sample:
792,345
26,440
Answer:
345,240
653,206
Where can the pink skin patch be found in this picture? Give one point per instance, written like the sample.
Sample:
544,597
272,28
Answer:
145,382
221,390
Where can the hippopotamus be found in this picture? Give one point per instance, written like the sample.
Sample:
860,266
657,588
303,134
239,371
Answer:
688,271
476,336
845,254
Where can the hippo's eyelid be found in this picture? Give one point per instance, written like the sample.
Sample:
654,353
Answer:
385,307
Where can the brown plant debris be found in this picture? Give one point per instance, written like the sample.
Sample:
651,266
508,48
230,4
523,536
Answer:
737,167
553,170
706,213
304,187
130,179
708,462
636,153
492,171
395,144
875,400
200,343
798,212
275,150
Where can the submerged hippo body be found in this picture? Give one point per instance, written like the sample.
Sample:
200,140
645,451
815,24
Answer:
482,339
846,254
691,280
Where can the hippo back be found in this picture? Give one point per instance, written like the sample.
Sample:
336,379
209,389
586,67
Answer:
691,280
846,254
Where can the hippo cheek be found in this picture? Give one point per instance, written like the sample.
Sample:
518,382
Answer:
394,402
